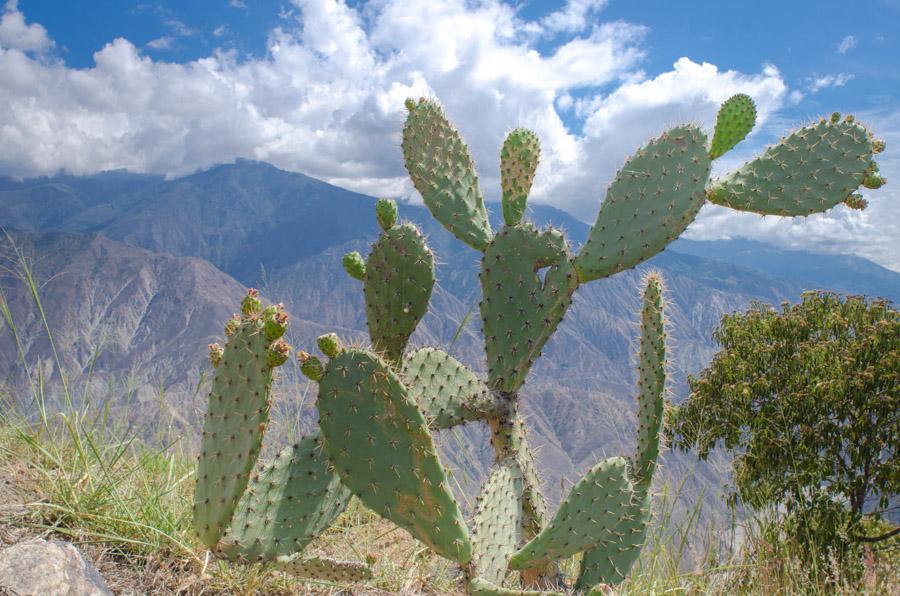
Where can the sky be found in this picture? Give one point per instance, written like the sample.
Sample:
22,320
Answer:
317,86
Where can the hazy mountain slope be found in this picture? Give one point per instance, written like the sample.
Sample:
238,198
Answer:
847,274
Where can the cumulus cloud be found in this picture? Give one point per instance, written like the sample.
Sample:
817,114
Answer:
327,100
16,34
847,44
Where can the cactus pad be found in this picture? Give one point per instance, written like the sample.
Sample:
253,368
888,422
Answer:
235,421
481,587
399,280
518,161
809,171
442,171
498,521
287,504
651,381
651,201
447,392
386,213
610,561
354,265
595,504
736,119
341,572
520,311
379,443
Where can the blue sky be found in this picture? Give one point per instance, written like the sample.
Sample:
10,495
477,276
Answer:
317,86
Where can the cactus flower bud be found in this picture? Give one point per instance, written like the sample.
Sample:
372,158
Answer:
856,201
329,344
215,354
278,353
251,305
275,321
232,325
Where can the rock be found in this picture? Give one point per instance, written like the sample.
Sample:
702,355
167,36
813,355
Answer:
40,568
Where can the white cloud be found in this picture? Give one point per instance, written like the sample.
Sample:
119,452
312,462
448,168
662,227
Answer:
220,30
846,44
327,100
816,84
237,4
573,17
16,34
161,43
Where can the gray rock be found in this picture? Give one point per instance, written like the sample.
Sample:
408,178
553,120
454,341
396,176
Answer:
40,568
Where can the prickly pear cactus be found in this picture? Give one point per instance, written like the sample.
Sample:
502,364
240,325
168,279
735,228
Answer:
251,511
377,407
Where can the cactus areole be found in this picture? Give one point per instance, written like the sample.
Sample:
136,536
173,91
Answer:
378,406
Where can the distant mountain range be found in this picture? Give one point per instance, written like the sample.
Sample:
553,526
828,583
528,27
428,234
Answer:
150,268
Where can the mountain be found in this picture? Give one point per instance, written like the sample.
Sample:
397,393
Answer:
250,224
846,274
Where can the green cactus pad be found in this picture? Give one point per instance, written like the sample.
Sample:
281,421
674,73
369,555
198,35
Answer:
518,161
482,587
498,521
610,561
653,198
379,443
287,504
386,213
736,119
399,280
354,265
442,171
810,171
519,312
340,572
233,430
651,381
447,392
597,503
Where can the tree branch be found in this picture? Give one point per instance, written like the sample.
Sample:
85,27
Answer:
884,536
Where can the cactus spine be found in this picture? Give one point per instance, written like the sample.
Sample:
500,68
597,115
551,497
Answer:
377,407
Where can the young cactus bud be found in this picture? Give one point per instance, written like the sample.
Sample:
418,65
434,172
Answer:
330,344
874,181
354,265
278,353
386,213
251,305
232,325
878,146
215,354
311,366
275,321
855,201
